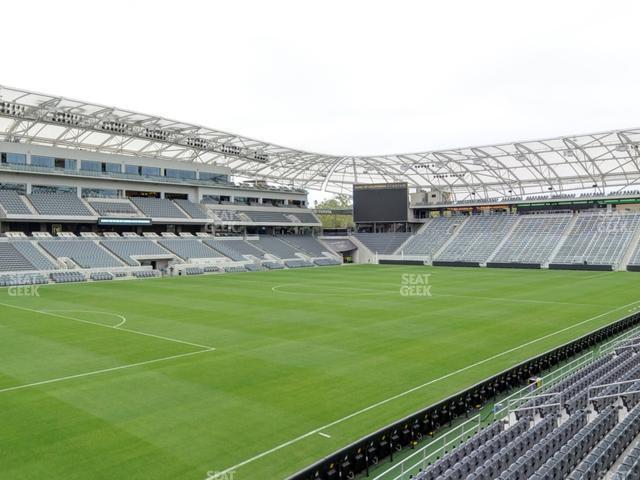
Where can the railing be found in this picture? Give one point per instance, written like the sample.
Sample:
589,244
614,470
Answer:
423,457
513,403
426,454
522,396
612,344
555,400
618,390
583,343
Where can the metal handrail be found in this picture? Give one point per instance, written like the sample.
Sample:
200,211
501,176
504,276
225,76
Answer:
475,427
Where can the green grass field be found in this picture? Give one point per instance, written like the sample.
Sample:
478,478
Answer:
262,373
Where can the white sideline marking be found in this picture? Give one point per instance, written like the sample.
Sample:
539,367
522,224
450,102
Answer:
324,435
518,300
372,291
419,387
104,370
336,291
207,347
122,318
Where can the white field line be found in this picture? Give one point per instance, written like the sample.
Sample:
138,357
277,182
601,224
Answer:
104,370
372,291
518,300
322,434
122,318
52,314
419,387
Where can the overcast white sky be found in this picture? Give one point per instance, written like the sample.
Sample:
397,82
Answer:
340,77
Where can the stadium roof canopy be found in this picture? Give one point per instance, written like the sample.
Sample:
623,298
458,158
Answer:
604,162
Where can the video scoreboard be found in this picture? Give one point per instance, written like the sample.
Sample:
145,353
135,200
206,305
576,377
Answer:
380,202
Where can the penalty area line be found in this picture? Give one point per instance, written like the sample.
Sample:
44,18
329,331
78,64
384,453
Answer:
111,327
104,370
122,318
318,431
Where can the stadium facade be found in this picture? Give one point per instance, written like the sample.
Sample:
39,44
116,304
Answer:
79,170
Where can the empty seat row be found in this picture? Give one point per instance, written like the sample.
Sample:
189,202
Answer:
101,276
189,248
306,243
193,271
533,239
321,262
606,453
85,253
477,238
383,243
432,236
600,239
562,463
235,269
525,467
629,468
273,265
27,279
146,273
298,263
275,247
68,277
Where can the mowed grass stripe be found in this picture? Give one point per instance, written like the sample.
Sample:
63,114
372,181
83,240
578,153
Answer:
285,364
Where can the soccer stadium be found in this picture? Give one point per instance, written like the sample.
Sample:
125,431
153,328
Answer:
173,306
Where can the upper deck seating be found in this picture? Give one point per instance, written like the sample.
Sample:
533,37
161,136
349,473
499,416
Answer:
194,210
157,207
189,248
13,203
59,204
113,209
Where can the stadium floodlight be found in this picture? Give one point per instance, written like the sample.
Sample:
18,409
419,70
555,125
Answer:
533,163
115,127
11,109
230,149
260,157
156,134
65,118
197,142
